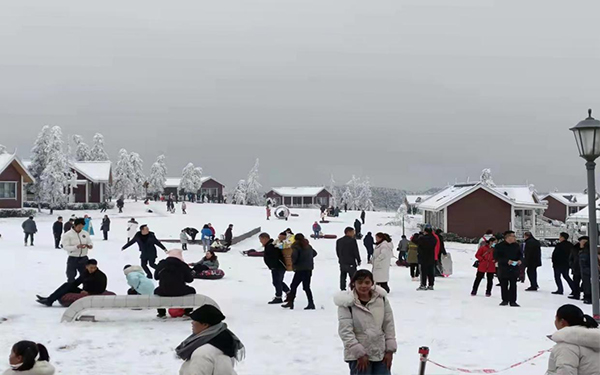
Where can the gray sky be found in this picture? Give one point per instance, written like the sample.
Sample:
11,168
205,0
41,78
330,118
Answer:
413,93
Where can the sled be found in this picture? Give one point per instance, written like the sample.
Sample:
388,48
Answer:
294,215
210,275
69,298
447,265
324,221
220,249
176,313
326,236
401,263
253,253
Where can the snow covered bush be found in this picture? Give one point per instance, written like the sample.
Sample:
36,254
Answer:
70,206
17,212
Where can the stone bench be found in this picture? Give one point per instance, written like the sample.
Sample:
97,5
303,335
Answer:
134,302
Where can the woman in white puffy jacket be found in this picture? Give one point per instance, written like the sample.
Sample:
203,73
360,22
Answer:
382,256
29,358
366,326
577,349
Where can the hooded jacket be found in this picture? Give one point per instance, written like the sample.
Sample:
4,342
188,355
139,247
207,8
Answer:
72,239
577,352
40,368
137,279
366,330
382,255
208,360
485,256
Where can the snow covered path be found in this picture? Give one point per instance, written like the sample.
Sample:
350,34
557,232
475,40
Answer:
463,331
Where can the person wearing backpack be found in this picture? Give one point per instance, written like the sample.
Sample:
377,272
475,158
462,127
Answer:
366,326
486,267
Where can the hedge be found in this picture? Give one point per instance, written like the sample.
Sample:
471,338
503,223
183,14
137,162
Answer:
17,212
70,206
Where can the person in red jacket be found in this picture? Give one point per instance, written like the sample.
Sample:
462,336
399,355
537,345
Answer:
487,266
214,232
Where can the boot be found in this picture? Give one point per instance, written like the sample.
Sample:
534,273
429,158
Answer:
44,302
290,302
311,305
276,301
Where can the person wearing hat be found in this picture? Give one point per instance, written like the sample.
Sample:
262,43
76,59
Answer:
173,275
211,348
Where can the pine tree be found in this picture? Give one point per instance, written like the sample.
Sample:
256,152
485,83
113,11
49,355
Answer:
98,153
239,196
333,191
53,180
137,174
197,179
122,182
253,187
354,185
365,196
83,152
190,179
39,160
348,199
158,176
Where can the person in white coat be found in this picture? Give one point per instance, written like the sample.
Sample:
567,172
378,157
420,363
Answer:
212,348
132,229
366,326
577,349
29,358
382,256
76,242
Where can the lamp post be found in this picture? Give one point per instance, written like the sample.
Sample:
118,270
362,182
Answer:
587,136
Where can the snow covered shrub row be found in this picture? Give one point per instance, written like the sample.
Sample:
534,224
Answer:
17,212
70,206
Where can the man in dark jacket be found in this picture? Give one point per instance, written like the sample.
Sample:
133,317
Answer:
120,205
532,251
560,263
369,243
273,258
173,275
426,255
57,231
348,256
94,282
29,228
105,228
229,235
585,268
68,225
575,270
147,243
363,216
509,257
357,227
192,232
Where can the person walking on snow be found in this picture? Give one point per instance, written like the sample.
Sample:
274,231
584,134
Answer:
403,248
183,238
486,267
509,257
132,229
120,204
369,243
366,326
382,256
560,263
57,231
363,216
316,230
29,358
585,269
105,227
228,235
577,343
412,257
147,243
76,242
533,259
273,258
88,225
348,256
183,207
357,227
303,263
206,235
426,254
29,228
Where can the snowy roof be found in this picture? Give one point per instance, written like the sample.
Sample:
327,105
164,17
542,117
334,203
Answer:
583,215
520,196
298,191
7,159
570,199
173,182
95,171
414,199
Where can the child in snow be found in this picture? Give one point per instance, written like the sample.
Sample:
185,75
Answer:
209,262
183,237
28,357
316,230
138,281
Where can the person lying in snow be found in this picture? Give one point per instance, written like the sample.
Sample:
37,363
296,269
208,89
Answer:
94,282
209,262
138,281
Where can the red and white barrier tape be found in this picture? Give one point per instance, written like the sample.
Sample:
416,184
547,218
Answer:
487,370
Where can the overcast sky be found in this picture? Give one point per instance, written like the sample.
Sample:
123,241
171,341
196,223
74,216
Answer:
413,93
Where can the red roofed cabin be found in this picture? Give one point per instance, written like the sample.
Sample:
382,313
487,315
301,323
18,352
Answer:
300,196
13,176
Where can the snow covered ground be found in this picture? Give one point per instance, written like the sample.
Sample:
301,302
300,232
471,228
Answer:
463,331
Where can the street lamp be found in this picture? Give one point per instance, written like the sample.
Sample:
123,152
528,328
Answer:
587,136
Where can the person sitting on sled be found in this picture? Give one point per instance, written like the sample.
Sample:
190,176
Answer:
209,262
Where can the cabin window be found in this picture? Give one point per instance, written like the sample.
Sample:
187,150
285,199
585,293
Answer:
8,190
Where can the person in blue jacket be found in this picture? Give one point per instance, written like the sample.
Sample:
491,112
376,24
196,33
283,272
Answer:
137,280
206,236
88,227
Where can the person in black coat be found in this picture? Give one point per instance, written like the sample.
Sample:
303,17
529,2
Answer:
173,275
229,235
363,216
147,242
369,243
509,257
426,256
560,263
357,227
575,270
57,231
68,225
273,258
303,261
105,227
94,282
192,232
533,259
120,205
348,256
585,268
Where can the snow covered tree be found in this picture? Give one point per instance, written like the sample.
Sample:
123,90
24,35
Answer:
158,176
83,152
355,189
333,191
253,187
486,178
191,179
365,195
54,180
348,199
239,196
98,153
137,174
3,149
122,178
39,160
